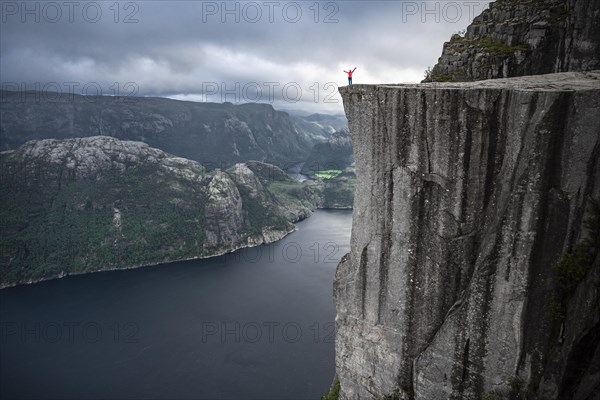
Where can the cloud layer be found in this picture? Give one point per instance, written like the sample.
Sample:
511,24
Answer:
288,53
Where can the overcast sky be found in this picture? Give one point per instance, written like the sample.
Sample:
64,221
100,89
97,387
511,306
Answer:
289,54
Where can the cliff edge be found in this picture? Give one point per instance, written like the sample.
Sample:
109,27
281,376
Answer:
474,269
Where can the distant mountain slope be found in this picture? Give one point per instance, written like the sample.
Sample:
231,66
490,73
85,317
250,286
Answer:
334,153
213,134
322,124
88,204
336,121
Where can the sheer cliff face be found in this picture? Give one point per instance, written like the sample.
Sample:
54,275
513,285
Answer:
467,194
524,37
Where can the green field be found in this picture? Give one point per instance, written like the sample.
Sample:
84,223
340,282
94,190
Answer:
328,173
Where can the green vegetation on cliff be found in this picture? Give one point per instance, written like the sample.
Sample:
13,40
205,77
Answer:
333,393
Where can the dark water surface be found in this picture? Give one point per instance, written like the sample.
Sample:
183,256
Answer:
257,323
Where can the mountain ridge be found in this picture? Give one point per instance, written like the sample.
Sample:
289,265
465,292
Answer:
215,134
88,204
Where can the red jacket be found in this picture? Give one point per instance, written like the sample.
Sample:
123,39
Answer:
350,73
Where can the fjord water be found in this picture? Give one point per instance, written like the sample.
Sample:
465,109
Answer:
257,323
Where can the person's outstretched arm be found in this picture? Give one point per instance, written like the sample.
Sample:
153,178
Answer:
354,69
345,71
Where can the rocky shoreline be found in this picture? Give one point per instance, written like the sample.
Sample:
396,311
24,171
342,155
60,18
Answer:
273,237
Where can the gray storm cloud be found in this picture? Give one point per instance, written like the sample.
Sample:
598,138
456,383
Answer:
186,49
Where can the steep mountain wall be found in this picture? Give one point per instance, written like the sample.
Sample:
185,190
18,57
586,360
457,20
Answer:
474,269
524,37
